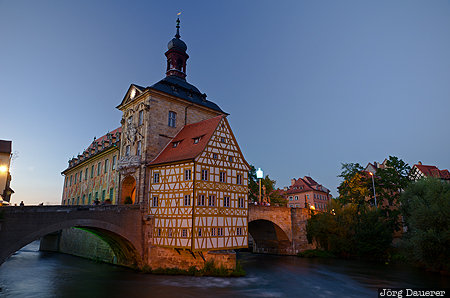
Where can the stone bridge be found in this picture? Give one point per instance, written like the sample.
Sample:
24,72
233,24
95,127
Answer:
278,230
122,227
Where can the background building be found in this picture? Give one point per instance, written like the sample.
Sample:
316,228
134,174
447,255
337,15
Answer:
419,171
306,192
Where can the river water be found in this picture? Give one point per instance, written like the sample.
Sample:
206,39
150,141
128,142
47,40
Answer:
30,273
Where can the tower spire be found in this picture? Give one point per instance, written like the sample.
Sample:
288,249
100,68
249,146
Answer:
178,29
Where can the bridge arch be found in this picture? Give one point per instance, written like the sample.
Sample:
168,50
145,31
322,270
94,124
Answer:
122,236
268,237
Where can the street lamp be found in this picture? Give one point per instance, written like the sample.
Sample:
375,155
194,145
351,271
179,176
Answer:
259,175
374,195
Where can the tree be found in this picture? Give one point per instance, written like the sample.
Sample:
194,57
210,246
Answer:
269,184
253,188
426,211
356,185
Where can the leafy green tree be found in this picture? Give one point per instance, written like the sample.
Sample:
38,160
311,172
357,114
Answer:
355,187
269,184
426,210
253,188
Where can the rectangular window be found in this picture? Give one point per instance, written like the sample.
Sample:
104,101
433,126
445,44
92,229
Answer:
213,231
75,181
70,180
222,177
111,194
92,171
215,156
139,147
83,200
211,201
127,150
106,165
170,233
172,119
184,233
141,117
155,202
114,162
239,179
159,232
81,173
239,231
290,198
103,195
187,200
155,177
200,232
96,195
241,203
130,120
226,202
205,175
296,198
201,200
89,199
86,174
99,166
78,200
219,231
196,140
187,175
67,180
222,140
230,158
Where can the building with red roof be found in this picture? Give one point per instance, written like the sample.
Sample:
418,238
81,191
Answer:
307,193
419,171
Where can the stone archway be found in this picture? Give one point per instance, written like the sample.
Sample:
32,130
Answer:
268,237
128,189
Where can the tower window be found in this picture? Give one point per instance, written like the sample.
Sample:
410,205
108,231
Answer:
141,117
172,119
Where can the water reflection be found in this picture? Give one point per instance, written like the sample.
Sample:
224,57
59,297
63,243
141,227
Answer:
30,273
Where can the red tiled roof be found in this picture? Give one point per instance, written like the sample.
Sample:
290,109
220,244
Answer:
5,146
433,171
99,140
186,148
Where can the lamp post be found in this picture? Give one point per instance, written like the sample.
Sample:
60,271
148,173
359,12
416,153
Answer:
374,195
259,175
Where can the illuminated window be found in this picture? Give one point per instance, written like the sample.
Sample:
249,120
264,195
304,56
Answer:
226,202
222,177
211,201
187,175
205,175
141,117
155,177
187,200
172,119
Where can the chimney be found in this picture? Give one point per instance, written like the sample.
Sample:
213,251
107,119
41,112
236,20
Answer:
293,181
420,163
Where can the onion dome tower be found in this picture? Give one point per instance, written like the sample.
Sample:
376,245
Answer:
176,55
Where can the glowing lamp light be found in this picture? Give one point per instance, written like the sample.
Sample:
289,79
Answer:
3,169
259,173
370,173
312,207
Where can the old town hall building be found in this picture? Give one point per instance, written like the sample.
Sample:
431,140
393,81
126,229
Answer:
176,154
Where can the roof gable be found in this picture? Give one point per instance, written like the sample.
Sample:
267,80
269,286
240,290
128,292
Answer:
133,91
189,142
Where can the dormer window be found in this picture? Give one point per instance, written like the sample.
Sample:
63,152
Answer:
196,140
175,144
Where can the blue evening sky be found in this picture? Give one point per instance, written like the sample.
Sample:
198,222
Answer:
308,84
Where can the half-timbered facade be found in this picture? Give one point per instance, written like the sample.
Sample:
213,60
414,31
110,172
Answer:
198,189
